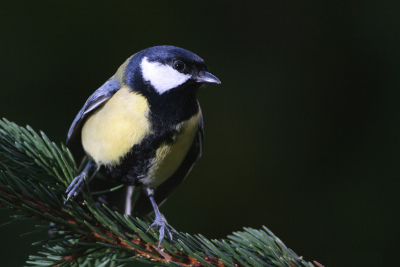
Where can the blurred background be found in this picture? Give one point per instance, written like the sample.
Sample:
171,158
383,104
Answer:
302,136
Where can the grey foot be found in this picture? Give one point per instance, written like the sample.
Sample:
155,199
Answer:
75,187
161,224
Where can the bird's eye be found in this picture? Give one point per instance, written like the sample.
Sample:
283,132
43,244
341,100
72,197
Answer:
179,65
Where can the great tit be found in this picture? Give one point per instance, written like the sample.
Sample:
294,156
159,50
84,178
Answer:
143,127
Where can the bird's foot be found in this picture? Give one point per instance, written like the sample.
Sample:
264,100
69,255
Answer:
161,224
75,187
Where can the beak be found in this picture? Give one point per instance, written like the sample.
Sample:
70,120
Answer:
207,77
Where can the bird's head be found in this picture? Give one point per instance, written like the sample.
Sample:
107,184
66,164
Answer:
164,69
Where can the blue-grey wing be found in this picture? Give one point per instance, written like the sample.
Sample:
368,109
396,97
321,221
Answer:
101,95
142,204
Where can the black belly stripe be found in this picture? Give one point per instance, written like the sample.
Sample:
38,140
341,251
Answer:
136,163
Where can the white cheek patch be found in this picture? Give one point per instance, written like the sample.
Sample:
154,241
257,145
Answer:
162,77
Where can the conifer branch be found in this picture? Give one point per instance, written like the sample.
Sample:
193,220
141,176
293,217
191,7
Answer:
34,173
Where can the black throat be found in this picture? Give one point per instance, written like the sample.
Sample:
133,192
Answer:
171,107
174,106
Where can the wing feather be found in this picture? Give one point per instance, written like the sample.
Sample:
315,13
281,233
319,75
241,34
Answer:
101,95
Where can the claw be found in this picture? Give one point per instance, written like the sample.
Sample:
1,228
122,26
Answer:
75,187
79,181
161,224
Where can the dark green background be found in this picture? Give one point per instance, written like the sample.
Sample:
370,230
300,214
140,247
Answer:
301,136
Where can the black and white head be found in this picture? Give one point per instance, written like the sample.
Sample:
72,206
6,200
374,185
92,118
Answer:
161,70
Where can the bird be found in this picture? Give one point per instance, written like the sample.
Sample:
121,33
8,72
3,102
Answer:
143,128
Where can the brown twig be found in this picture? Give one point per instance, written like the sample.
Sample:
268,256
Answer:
94,237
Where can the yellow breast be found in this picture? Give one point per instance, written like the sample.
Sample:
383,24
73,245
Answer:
170,156
115,128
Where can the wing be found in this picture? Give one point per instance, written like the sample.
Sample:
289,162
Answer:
95,100
142,204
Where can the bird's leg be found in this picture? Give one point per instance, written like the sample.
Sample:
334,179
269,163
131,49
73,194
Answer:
77,184
128,199
160,223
